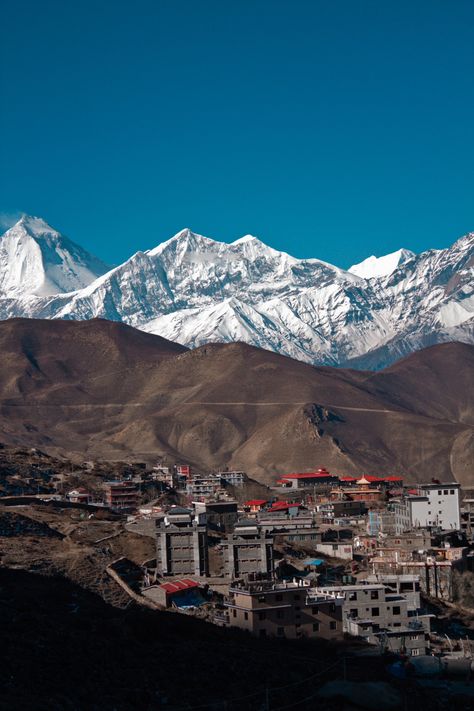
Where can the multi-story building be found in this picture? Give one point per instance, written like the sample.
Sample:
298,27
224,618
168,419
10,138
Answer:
371,602
292,609
340,509
122,495
248,550
308,480
234,478
429,505
182,544
220,515
200,487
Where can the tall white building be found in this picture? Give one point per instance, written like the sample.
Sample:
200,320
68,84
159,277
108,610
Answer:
433,505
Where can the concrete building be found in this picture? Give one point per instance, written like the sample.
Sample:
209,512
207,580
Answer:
371,603
335,549
433,505
200,487
308,480
293,610
248,550
220,515
122,495
234,478
182,544
340,509
79,496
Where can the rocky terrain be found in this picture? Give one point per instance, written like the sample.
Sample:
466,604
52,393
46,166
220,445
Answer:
102,390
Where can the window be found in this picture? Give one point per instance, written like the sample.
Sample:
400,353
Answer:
315,610
375,612
374,594
396,609
315,626
332,625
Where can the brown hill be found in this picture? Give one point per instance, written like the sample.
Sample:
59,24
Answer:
98,389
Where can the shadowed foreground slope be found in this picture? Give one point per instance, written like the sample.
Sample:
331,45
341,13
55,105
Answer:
101,389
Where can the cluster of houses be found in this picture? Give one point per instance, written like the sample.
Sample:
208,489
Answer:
323,556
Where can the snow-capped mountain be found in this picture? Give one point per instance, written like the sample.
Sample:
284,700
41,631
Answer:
373,267
193,290
37,260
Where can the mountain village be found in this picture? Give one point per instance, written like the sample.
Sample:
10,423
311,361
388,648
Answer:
316,556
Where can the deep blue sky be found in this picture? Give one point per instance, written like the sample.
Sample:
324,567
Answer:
332,129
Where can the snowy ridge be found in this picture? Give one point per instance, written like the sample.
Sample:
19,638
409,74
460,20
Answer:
194,290
373,267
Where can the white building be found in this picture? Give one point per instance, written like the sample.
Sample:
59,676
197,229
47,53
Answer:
433,505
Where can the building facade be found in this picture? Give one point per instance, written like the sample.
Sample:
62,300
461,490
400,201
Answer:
182,544
248,550
293,610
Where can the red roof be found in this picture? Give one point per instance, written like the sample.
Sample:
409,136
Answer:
256,502
321,473
282,506
179,585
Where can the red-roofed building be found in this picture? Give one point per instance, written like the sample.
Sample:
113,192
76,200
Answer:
255,505
305,480
180,593
284,506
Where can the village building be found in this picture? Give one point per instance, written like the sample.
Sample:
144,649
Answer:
122,495
255,505
182,544
433,505
180,594
335,509
79,496
377,614
308,480
220,515
292,609
362,491
248,550
233,478
200,487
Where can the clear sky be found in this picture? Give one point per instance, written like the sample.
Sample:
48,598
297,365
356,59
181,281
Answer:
333,129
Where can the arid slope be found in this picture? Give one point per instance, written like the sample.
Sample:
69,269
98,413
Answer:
101,389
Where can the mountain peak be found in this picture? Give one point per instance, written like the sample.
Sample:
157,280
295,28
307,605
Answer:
373,266
35,259
34,225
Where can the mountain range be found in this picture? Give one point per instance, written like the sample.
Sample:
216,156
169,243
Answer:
101,389
195,290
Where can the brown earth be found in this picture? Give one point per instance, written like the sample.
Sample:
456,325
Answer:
98,389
